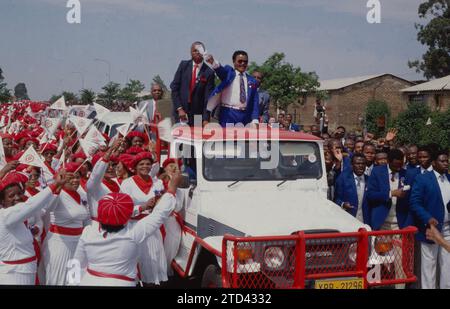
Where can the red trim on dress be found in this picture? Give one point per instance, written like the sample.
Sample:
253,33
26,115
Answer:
74,194
143,185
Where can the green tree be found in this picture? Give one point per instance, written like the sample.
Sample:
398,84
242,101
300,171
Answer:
284,82
110,93
438,131
20,92
378,117
87,96
435,35
131,90
158,80
411,123
5,93
70,97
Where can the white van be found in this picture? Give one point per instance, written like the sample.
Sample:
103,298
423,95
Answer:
249,227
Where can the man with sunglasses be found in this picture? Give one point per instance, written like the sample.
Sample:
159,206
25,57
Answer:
237,94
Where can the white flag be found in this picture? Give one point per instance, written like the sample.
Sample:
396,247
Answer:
59,104
50,125
80,123
95,136
123,129
61,161
165,130
101,111
31,157
138,117
2,154
88,147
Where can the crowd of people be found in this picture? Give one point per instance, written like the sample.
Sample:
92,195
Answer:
109,211
113,210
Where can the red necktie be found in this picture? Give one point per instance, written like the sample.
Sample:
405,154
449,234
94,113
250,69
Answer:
193,79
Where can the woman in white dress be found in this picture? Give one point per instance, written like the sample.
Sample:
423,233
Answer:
102,180
67,217
144,190
18,264
108,253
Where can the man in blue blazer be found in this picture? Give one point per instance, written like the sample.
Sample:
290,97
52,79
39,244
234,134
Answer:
351,187
388,202
264,98
191,86
237,94
430,205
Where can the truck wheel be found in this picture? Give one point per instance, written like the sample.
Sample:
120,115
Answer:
212,277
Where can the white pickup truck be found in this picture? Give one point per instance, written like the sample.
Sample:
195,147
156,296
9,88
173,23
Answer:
245,226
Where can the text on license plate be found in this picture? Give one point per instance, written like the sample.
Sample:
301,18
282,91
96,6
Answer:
345,284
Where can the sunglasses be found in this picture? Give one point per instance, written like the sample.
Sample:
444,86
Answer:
242,61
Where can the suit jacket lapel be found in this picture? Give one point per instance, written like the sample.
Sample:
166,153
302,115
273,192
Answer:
436,184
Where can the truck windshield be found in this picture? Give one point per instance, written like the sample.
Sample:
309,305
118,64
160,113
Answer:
243,161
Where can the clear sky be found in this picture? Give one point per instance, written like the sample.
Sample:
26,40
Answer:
143,38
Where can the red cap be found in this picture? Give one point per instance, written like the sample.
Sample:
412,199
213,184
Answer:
48,147
13,178
78,155
138,134
115,209
127,161
171,160
71,167
142,156
134,150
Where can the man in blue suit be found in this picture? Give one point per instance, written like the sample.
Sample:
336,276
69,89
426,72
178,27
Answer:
351,187
191,86
264,98
430,205
424,159
388,202
237,94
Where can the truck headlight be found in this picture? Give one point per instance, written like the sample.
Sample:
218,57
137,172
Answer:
383,246
352,252
274,258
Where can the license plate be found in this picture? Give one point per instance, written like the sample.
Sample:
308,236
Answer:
344,284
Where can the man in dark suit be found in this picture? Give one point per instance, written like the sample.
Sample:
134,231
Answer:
191,87
264,98
237,94
430,205
351,187
387,194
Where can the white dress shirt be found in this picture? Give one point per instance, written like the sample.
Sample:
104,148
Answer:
391,220
444,186
231,94
429,169
360,191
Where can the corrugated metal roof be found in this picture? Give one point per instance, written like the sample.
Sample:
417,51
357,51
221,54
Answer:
434,85
335,84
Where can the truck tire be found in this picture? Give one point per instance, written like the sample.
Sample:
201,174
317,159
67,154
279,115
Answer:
212,277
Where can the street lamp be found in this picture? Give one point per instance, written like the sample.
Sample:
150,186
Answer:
109,66
82,78
123,71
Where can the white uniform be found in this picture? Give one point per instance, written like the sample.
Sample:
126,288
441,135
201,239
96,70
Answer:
36,219
96,189
111,259
16,241
152,258
67,219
